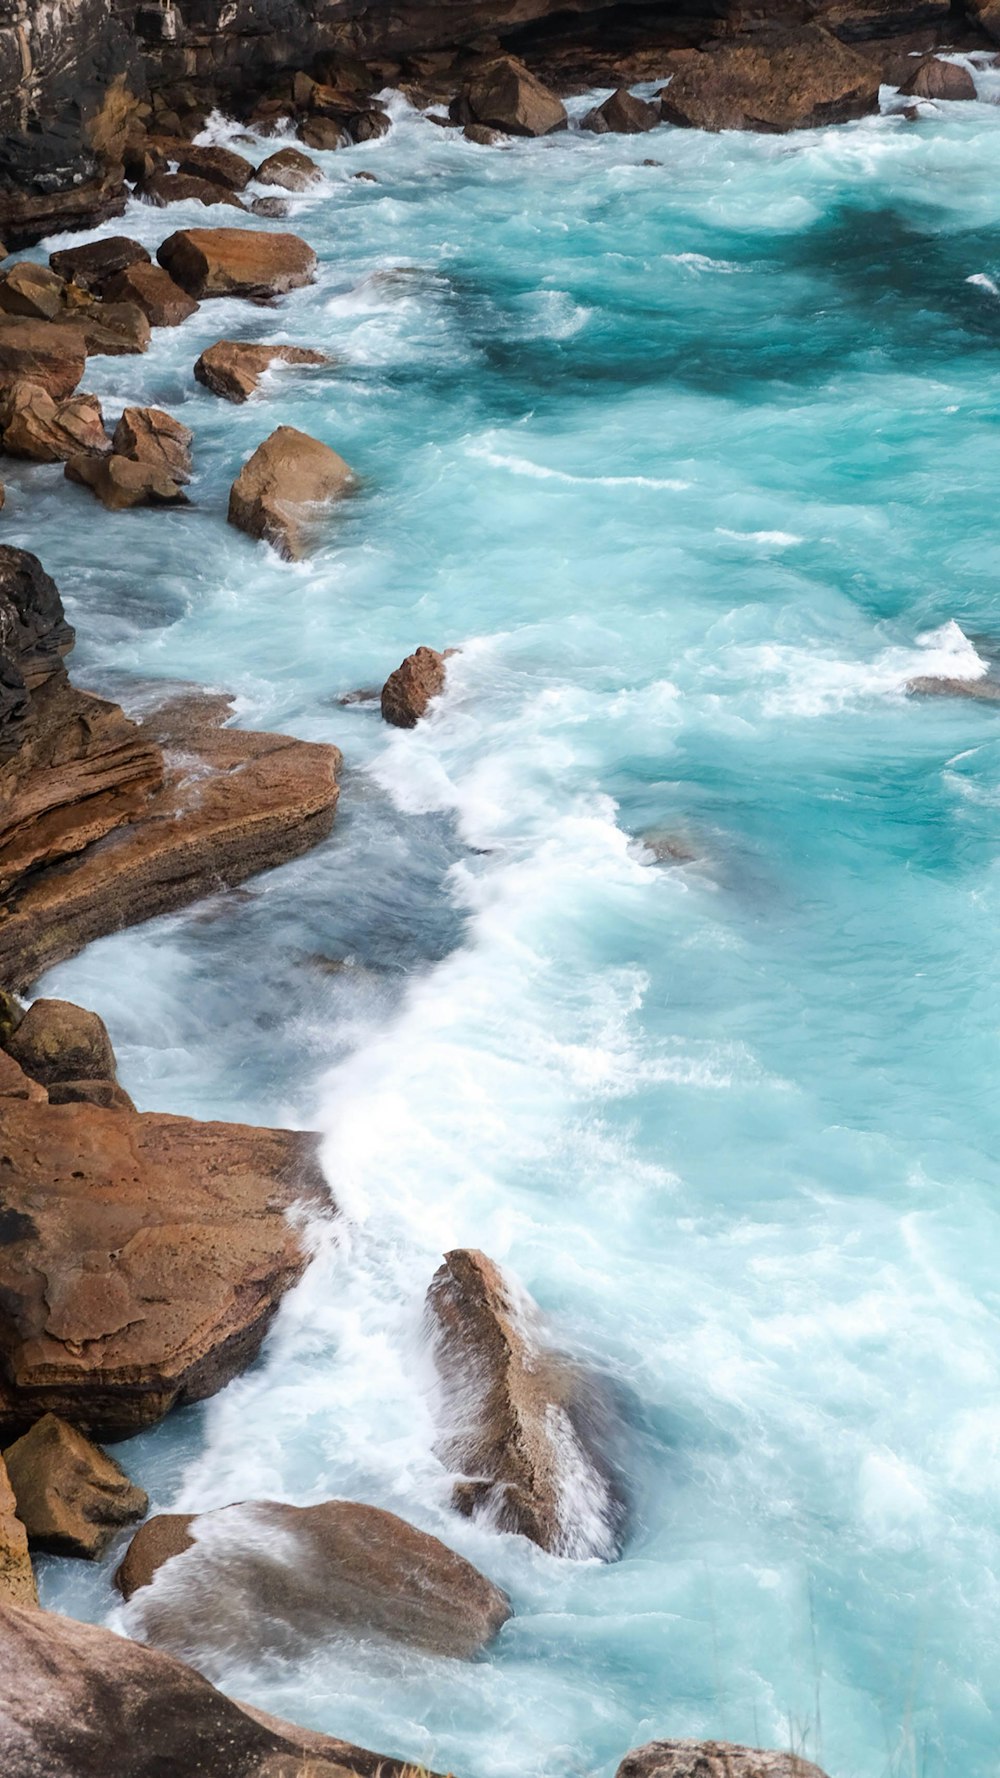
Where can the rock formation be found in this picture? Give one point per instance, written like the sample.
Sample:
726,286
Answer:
236,262
712,1759
623,115
289,169
282,486
408,691
72,1498
771,83
56,1042
233,368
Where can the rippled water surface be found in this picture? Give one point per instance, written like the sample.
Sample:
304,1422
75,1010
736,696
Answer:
697,463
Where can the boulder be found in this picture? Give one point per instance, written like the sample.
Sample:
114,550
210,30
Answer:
233,368
59,1041
369,125
72,1498
162,189
93,264
712,1759
35,626
275,207
504,95
981,691
163,302
17,1580
117,329
528,1430
935,79
408,691
122,482
149,435
622,115
15,1084
986,14
221,166
237,261
144,1257
31,290
263,1574
776,81
279,489
290,169
46,352
324,134
35,426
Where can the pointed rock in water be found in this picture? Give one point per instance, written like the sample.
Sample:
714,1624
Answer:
35,426
57,1041
95,263
784,80
72,1498
622,115
233,368
17,1579
237,262
408,691
526,1427
281,487
935,79
712,1759
504,95
290,169
51,353
163,302
266,1573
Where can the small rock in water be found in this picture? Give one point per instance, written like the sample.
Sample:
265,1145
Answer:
506,96
668,847
288,477
218,165
482,135
233,368
408,691
162,189
120,482
276,207
72,1498
982,691
151,436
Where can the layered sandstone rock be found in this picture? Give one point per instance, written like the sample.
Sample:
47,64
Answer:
17,1580
233,368
237,262
143,1260
712,1759
271,1575
408,691
72,1498
783,81
149,435
36,426
505,96
281,487
50,354
163,302
31,290
289,169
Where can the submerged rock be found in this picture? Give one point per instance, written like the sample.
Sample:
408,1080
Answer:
233,368
712,1759
17,1579
408,691
264,1573
281,487
72,1498
785,80
622,115
504,95
237,262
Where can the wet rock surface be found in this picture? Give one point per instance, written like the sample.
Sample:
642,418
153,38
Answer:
236,262
712,1759
234,368
17,1579
774,82
408,691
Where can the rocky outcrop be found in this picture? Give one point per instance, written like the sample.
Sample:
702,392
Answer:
80,1702
783,81
50,354
237,262
17,1579
622,115
233,368
281,487
149,435
408,691
265,1574
72,1498
163,302
526,1428
143,1258
712,1759
935,79
504,95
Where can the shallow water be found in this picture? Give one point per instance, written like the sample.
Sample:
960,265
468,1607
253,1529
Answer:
697,463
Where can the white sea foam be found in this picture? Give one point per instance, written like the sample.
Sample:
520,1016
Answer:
768,539
807,683
541,472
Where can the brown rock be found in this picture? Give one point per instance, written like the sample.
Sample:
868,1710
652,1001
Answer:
122,482
524,1424
233,369
712,1759
276,207
324,134
622,115
115,328
31,290
143,1261
505,96
981,691
94,263
58,1041
163,302
986,14
775,82
369,125
481,135
277,491
148,435
290,169
407,692
15,1084
71,1496
35,426
219,165
267,1573
17,1580
46,352
935,79
106,1093
237,261
162,189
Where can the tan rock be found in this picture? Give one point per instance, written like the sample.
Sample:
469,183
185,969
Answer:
144,1259
289,169
163,302
151,436
786,80
712,1759
281,487
233,368
622,115
121,482
46,352
220,165
162,189
32,290
35,426
106,1093
17,1580
57,1041
237,261
115,328
72,1498
504,95
408,691
263,1574
94,263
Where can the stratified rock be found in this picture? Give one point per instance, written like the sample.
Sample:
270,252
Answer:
622,115
47,352
233,369
266,1574
981,691
527,1429
290,169
408,691
237,262
505,96
17,1580
120,482
31,290
72,1498
35,426
712,1759
151,436
143,1260
115,328
95,263
163,302
220,165
56,1041
935,79
162,189
281,486
791,80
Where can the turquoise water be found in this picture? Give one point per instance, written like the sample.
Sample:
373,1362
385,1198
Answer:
697,464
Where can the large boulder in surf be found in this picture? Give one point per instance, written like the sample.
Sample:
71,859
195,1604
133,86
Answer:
223,166
233,368
712,1759
143,1258
94,263
935,79
526,1428
150,435
267,1574
622,115
36,426
17,1579
782,80
289,169
237,262
408,691
57,1041
505,95
121,482
80,1702
72,1498
153,290
50,353
282,486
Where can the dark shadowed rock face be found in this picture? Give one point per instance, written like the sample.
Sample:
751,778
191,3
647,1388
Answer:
780,81
935,79
622,115
712,1759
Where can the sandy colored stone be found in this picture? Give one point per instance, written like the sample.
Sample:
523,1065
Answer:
504,95
408,691
33,290
17,1580
788,80
324,134
50,353
163,302
113,329
290,169
237,262
282,486
233,368
106,1093
980,691
121,482
36,426
72,1498
15,1084
150,435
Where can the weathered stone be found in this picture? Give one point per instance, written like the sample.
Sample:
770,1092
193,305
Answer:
266,1574
17,1580
122,482
290,169
782,81
219,165
481,134
163,302
981,691
115,328
106,1093
504,95
935,79
35,426
281,487
151,436
233,368
59,1041
40,635
622,115
408,691
94,263
46,352
237,262
72,1498
324,134
274,207
162,189
369,125
31,290
15,1084
712,1759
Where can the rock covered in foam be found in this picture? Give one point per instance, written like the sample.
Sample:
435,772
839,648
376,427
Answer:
72,1498
712,1759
